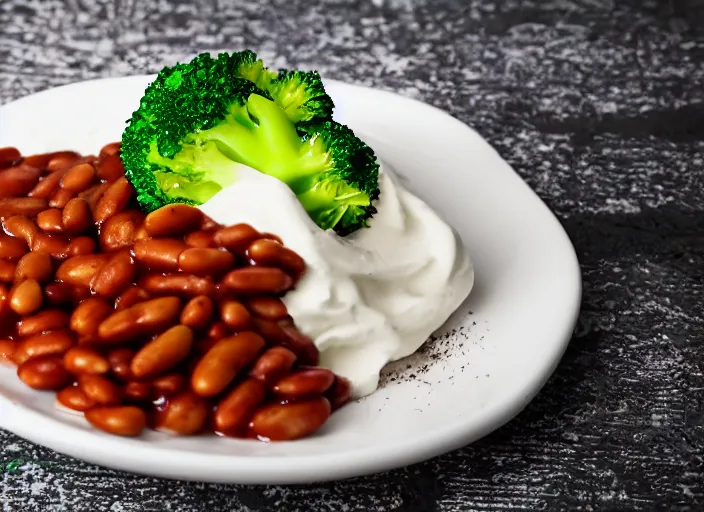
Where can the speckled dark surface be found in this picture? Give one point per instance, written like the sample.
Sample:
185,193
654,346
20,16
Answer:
599,105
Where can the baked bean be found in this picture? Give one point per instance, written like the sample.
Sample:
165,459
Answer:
118,232
5,310
220,364
45,373
22,228
235,315
257,281
80,270
89,159
271,331
144,318
56,246
197,313
159,254
299,343
60,294
12,248
62,160
271,308
7,271
217,331
281,333
9,156
39,160
286,422
235,410
80,246
50,220
93,194
119,360
185,285
272,365
236,238
34,265
173,219
47,186
44,321
168,385
78,178
137,392
116,275
29,206
73,397
126,421
100,389
54,343
199,239
61,197
273,238
18,180
113,200
131,296
76,217
184,414
308,382
84,360
204,262
270,253
141,233
88,316
110,167
26,298
107,150
162,353
7,347
209,224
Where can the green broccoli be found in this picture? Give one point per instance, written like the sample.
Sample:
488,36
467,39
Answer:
196,124
300,93
247,65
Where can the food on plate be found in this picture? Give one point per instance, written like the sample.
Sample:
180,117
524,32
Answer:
384,270
239,262
299,93
198,124
167,320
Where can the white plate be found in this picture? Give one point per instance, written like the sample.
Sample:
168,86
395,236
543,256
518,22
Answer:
492,363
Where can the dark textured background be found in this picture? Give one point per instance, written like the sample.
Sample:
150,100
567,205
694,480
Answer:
598,104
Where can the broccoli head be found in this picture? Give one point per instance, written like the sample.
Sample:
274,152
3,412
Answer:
300,93
302,96
197,122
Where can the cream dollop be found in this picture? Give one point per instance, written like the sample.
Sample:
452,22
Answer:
372,297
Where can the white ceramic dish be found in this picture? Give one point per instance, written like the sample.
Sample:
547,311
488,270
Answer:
525,303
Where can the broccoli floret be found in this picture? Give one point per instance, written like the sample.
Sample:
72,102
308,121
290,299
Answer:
300,93
302,96
247,65
196,124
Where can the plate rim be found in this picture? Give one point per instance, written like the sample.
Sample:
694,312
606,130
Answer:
157,461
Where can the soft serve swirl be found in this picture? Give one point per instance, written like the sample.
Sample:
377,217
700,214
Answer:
371,297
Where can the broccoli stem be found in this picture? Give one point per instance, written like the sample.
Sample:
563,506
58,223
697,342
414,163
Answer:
261,136
201,163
